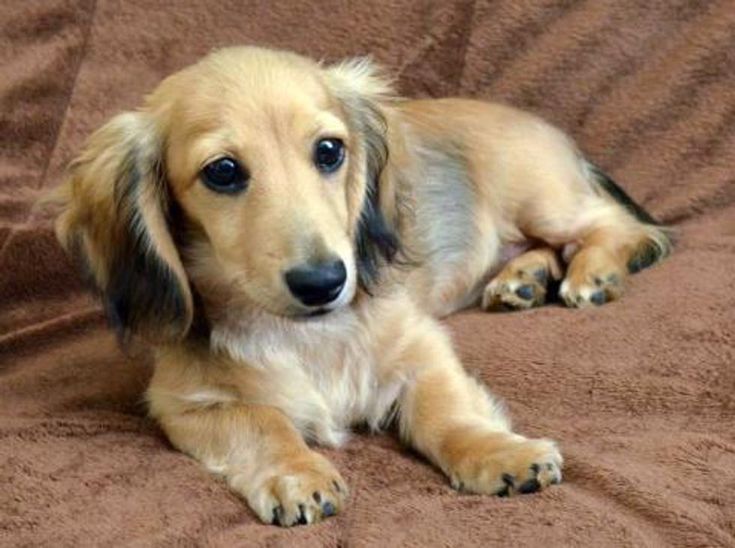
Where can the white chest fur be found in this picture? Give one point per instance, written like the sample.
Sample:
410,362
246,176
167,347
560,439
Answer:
321,372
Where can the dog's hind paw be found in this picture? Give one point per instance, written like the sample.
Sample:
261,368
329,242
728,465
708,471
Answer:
593,278
523,283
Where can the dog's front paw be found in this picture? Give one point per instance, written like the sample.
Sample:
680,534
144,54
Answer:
504,464
304,491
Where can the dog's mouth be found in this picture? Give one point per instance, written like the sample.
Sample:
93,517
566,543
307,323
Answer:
308,315
315,313
318,312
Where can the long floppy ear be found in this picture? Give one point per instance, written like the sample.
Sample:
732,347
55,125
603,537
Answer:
114,220
362,92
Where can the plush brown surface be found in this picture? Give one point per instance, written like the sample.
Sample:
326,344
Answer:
640,393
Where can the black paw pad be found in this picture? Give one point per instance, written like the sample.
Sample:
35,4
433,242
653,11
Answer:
598,297
302,515
277,516
525,292
529,486
508,480
328,509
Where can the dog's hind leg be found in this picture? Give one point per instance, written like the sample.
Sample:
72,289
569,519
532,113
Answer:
623,239
601,233
598,269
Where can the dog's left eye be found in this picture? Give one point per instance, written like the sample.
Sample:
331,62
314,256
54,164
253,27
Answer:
224,175
329,155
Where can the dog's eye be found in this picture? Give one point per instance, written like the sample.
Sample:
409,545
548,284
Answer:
224,175
329,155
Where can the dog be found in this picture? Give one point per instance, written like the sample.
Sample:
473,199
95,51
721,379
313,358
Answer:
285,234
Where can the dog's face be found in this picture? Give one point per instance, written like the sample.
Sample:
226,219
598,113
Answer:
260,163
252,173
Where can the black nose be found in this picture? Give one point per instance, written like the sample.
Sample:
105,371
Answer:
317,284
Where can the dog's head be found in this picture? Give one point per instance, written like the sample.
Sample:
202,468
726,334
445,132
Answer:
252,174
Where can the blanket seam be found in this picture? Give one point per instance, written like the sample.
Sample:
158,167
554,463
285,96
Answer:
72,87
64,114
465,47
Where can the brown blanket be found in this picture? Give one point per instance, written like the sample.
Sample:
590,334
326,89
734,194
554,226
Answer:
640,393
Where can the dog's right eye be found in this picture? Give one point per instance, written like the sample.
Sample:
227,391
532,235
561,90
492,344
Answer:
225,175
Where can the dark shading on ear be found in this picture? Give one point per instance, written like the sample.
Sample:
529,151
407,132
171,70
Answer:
142,290
375,240
361,89
116,220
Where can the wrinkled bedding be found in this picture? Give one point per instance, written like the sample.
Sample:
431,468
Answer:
640,393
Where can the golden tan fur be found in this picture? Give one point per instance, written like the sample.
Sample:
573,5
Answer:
485,201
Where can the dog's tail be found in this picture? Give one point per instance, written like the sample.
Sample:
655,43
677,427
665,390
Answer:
655,242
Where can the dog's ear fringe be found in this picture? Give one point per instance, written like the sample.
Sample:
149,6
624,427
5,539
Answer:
114,224
360,76
362,88
143,294
376,241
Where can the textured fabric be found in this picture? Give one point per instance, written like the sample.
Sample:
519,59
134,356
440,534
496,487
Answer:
640,393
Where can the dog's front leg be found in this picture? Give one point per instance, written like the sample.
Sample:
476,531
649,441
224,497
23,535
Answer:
451,419
263,457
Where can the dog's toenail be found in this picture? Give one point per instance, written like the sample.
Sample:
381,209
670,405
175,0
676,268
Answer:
508,480
337,486
535,468
525,292
317,497
277,513
530,486
302,515
598,297
541,276
549,466
328,509
613,279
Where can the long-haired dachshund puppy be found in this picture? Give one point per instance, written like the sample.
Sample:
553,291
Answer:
285,232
